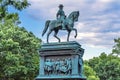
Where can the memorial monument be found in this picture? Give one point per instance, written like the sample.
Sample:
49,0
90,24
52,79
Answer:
61,60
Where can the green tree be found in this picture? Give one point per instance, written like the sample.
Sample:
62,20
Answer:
107,67
18,47
116,49
90,73
5,4
18,53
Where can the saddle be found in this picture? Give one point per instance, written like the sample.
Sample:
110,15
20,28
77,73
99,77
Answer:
60,24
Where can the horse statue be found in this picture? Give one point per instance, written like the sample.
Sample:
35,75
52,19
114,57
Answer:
68,23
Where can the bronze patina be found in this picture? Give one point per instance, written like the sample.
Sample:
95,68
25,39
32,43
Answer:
61,60
62,23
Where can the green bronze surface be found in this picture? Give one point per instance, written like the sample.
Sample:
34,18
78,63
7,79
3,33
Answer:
61,45
62,23
61,78
61,61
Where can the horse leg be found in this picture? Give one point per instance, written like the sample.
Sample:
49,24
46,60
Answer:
48,35
55,35
75,32
68,35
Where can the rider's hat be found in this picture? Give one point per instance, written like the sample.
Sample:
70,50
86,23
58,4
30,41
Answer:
60,6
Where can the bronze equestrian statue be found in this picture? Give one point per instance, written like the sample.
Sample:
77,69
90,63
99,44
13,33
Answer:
62,23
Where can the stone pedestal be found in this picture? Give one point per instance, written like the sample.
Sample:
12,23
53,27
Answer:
61,61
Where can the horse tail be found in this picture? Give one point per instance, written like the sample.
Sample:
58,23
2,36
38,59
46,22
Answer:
46,27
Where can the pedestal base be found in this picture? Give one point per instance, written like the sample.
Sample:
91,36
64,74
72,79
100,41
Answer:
61,61
60,78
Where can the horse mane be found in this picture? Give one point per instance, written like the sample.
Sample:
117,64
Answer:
71,14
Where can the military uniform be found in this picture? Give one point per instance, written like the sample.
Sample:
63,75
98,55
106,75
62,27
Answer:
61,17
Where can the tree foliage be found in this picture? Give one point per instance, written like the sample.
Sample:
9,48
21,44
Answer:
18,53
106,66
18,47
6,16
90,73
116,49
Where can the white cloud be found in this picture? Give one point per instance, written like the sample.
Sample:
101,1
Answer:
106,1
97,25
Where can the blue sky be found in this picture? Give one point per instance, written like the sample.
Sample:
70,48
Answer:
98,25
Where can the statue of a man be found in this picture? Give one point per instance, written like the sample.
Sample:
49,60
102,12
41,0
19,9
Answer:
61,16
